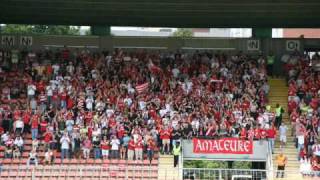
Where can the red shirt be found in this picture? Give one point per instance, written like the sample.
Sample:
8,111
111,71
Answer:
69,103
34,121
16,114
63,96
48,137
26,117
257,133
165,134
139,145
243,133
131,145
43,126
272,133
105,145
245,105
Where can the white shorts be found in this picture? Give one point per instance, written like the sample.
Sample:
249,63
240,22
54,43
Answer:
283,138
165,141
105,152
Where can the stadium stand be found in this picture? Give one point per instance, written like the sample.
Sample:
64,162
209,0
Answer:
63,107
303,106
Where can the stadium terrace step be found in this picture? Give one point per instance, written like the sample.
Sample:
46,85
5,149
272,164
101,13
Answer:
166,169
279,94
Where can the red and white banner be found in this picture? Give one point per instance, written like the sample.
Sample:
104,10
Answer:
142,87
222,146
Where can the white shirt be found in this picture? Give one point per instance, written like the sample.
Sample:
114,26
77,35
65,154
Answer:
300,139
109,112
55,68
64,142
5,137
89,103
49,90
175,72
19,124
18,142
283,130
31,90
115,144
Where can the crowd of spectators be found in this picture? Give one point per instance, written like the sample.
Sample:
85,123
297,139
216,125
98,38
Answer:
126,104
303,107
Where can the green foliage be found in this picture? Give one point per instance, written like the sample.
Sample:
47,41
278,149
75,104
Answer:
40,29
183,33
205,164
216,164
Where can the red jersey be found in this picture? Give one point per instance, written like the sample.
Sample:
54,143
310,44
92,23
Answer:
105,145
35,121
43,126
165,134
63,96
139,145
48,137
26,117
131,145
272,133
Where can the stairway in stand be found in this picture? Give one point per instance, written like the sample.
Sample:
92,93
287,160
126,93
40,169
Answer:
166,170
279,94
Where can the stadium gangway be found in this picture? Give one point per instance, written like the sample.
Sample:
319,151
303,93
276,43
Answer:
84,172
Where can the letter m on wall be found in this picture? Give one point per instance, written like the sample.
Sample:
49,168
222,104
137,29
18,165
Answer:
7,40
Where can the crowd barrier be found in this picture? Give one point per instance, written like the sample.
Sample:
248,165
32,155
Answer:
76,172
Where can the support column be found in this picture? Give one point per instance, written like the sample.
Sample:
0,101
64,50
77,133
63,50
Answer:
262,33
100,30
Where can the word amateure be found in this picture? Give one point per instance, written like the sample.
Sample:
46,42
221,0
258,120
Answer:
222,146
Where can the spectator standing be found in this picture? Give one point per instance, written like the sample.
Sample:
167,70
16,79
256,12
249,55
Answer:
86,148
283,135
105,147
272,132
34,126
176,153
96,147
131,149
115,143
65,141
270,62
281,162
139,149
150,149
279,111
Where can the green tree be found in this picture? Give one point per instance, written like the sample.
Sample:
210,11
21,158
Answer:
41,29
183,33
16,29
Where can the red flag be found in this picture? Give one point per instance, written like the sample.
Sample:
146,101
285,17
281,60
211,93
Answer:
142,87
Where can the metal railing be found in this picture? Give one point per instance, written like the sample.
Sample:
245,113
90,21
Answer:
83,172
